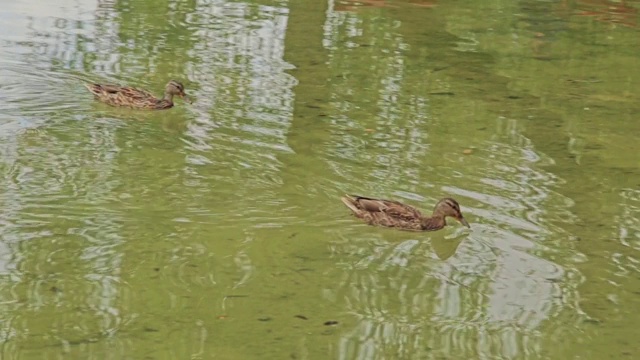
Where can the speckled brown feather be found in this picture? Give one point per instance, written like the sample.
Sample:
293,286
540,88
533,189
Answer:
127,96
395,214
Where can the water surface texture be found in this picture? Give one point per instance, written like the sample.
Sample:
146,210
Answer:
214,230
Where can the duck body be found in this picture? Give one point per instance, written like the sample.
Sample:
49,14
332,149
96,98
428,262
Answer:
126,96
391,213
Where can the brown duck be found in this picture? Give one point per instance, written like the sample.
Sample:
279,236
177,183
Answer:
398,215
126,96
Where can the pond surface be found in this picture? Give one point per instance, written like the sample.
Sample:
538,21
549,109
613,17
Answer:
215,229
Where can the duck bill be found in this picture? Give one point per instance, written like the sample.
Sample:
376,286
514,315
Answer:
464,222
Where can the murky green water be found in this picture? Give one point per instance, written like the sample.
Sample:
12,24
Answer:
215,230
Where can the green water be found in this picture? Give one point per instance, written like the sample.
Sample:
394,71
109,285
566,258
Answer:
214,230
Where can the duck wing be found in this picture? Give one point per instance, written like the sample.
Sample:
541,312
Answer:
381,210
116,91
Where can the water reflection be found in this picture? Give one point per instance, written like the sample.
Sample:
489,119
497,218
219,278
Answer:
133,234
404,293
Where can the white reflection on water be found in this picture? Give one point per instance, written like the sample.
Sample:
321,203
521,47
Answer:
245,103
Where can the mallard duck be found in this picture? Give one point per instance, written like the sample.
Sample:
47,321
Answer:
115,95
398,215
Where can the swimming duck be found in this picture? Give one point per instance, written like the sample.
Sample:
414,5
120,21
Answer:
405,217
115,95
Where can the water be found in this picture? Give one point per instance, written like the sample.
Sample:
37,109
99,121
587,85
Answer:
215,230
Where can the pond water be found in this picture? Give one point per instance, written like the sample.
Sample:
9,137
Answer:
215,229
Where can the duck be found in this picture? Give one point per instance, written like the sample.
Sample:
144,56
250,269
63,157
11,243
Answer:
394,214
127,96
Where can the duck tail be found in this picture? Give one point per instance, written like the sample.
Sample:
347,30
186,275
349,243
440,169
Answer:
350,202
93,88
